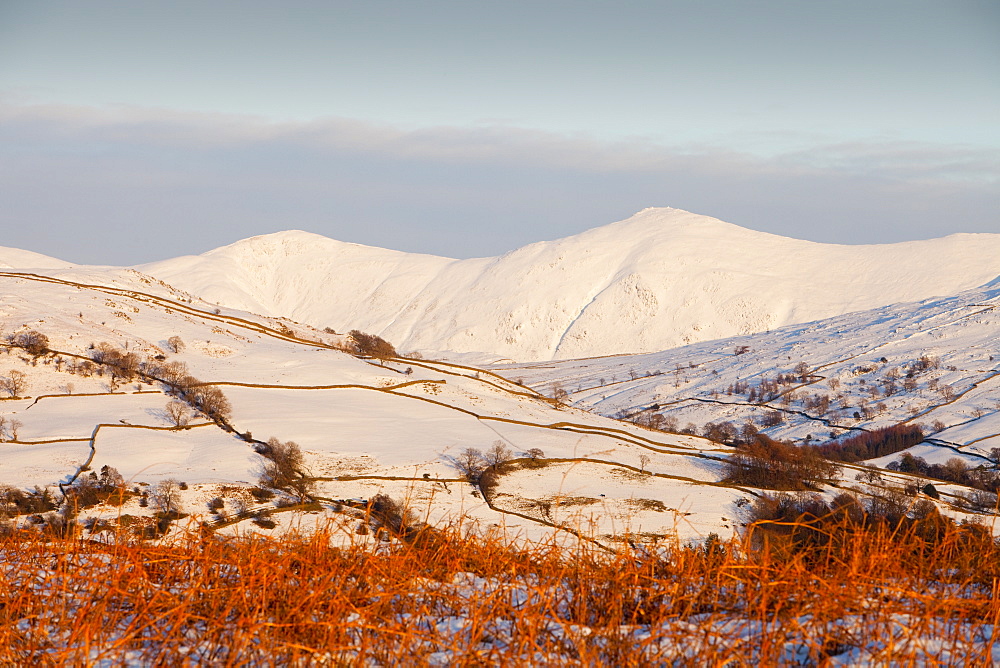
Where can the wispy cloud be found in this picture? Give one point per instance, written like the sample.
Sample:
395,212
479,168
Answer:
100,185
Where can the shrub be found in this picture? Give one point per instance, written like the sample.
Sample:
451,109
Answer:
372,345
393,516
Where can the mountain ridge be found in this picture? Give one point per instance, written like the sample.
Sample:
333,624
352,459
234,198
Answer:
659,279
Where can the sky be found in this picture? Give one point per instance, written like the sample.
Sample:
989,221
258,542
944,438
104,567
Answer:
132,131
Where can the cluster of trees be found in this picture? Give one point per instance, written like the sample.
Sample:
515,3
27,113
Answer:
15,501
485,468
206,398
954,470
371,345
769,464
285,468
872,444
124,366
473,462
33,342
91,489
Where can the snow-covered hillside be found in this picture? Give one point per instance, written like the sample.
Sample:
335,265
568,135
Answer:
399,427
403,427
660,279
935,363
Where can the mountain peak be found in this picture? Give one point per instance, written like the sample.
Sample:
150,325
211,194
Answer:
661,278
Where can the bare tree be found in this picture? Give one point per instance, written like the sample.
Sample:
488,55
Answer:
285,468
166,496
14,383
178,413
34,343
176,344
15,427
643,462
535,453
558,393
498,453
210,400
471,463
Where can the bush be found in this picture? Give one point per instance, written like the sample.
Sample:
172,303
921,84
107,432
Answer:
372,345
393,516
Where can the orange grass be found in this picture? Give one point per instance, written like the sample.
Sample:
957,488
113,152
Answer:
444,598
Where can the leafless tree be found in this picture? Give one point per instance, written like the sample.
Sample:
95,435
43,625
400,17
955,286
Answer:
15,427
498,453
285,468
176,344
643,462
14,383
471,463
535,453
166,496
178,413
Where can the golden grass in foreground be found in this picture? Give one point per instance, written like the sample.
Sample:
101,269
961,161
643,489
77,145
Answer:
442,598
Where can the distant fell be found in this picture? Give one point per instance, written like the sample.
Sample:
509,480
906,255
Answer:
660,279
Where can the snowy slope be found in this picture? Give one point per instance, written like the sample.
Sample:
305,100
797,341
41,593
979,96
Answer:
935,363
364,428
660,279
11,258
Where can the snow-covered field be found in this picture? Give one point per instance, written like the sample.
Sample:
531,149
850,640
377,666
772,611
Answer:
365,427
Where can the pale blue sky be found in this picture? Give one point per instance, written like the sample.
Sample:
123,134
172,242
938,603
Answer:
469,128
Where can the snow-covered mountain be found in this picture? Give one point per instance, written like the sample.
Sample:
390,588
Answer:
660,279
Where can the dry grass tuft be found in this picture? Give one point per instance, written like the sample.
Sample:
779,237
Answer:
870,594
